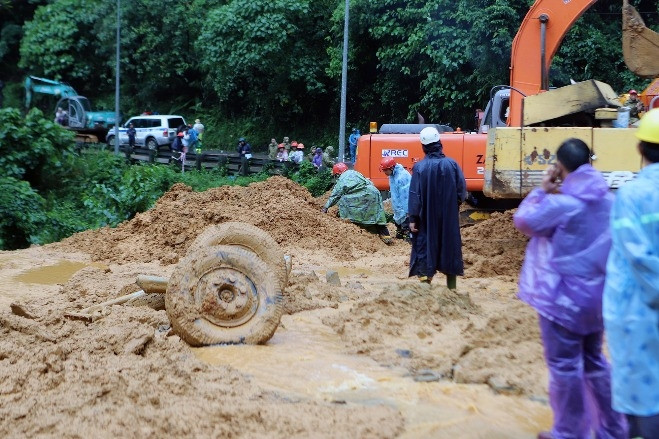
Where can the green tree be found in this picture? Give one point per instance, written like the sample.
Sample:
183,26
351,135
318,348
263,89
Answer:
21,214
159,57
31,145
60,42
12,16
438,58
267,59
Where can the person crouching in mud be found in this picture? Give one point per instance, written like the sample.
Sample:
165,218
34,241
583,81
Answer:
359,201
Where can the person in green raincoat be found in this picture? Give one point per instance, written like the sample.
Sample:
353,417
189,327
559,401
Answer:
359,201
272,149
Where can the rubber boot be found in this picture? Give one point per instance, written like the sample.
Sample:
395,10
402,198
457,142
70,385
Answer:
451,281
425,279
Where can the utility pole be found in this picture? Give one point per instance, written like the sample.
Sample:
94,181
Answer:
344,86
116,87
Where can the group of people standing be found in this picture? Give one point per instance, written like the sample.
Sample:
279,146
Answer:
592,266
293,151
188,137
425,204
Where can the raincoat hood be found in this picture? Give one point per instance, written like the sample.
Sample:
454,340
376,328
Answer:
585,183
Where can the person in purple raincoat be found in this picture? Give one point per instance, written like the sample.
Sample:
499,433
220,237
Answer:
562,278
317,159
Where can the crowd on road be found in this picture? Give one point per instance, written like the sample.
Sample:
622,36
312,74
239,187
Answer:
294,151
591,268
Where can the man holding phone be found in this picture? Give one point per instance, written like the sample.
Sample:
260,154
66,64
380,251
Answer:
563,279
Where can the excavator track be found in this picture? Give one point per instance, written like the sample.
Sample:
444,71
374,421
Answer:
85,138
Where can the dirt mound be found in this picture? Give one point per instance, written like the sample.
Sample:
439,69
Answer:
493,247
291,215
279,206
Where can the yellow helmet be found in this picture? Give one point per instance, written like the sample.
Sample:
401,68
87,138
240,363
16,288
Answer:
648,128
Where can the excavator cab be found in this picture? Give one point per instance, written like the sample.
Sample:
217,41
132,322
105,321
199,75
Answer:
77,108
496,112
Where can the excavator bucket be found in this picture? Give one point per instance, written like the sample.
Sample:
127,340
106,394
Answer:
640,45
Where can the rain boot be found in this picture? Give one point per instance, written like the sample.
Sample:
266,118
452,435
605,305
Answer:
451,281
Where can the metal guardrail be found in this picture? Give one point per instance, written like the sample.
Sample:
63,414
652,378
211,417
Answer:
209,159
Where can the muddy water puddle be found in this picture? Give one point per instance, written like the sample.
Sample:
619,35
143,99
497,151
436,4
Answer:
348,271
58,273
21,280
306,359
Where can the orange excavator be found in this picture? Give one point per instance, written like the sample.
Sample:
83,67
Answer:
525,122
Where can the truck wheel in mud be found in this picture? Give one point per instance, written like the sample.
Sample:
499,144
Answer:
151,144
223,295
249,237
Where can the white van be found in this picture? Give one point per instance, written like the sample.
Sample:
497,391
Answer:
152,131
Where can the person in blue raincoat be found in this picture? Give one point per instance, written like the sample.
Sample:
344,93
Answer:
631,293
352,142
436,190
399,188
562,278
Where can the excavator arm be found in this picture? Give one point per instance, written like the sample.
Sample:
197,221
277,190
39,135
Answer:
35,84
542,32
534,46
640,45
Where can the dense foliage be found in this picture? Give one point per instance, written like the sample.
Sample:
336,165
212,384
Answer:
273,67
50,190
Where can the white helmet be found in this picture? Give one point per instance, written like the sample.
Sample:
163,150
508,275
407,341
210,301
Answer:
429,135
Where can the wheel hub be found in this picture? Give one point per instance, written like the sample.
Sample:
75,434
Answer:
226,297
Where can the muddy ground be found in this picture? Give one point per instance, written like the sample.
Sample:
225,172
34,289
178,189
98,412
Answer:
378,356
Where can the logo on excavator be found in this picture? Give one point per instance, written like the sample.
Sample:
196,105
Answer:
394,153
615,179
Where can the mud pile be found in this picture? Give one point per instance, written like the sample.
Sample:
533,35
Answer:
278,205
493,247
429,329
127,375
291,215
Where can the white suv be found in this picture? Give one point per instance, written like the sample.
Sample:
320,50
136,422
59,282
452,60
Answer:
152,131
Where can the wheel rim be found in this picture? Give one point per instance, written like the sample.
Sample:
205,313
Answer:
223,294
226,297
